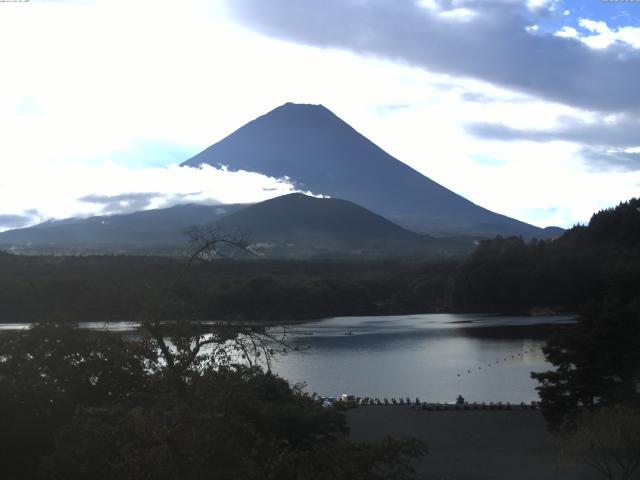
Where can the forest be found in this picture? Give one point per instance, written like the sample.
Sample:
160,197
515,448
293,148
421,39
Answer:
112,288
504,275
581,266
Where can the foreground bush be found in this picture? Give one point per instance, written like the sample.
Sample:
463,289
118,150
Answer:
78,404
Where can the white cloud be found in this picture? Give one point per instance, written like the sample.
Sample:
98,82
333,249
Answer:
60,191
599,35
594,26
454,13
538,4
567,32
458,14
432,5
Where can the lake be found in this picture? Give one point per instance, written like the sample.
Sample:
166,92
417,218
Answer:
434,357
484,358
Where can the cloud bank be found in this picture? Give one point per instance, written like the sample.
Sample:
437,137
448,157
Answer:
609,143
81,190
483,39
8,221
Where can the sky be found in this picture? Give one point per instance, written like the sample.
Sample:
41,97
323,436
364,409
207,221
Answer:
530,108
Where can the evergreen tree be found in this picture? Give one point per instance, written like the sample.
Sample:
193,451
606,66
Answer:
597,361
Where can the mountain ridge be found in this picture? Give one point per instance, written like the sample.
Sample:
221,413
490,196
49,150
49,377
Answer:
290,226
299,213
157,227
322,154
302,226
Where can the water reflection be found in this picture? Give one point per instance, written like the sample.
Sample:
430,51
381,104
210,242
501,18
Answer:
434,357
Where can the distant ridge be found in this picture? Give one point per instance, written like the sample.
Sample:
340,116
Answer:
296,214
301,226
149,228
321,153
290,226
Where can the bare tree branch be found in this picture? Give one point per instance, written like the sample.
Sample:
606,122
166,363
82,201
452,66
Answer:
184,342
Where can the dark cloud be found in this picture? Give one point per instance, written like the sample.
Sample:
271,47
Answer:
604,142
123,203
601,159
15,221
136,201
621,133
493,46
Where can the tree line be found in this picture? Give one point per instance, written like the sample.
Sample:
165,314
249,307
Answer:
174,403
112,288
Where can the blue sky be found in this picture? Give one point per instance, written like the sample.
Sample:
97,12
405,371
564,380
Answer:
527,107
614,13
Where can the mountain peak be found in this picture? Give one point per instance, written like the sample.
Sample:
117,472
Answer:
302,106
298,112
322,154
295,195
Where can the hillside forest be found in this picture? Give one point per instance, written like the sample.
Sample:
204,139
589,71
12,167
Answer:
508,275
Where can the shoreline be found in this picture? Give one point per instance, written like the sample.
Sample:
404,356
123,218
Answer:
318,318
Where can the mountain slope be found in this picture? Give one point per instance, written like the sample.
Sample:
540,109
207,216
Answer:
149,228
292,226
296,215
323,154
301,226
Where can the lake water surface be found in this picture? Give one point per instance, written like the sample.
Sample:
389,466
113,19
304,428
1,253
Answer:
434,357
